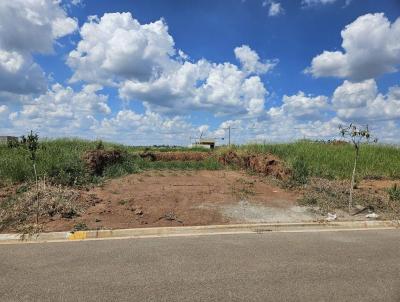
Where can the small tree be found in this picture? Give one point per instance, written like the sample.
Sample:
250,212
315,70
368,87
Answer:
32,143
357,135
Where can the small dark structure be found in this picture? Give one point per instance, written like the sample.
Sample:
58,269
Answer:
5,140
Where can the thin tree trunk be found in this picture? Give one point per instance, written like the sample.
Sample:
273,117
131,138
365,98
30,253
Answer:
353,180
37,194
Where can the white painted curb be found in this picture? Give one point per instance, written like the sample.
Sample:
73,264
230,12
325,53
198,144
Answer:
200,230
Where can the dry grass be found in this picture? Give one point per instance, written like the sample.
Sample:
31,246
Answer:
18,212
330,195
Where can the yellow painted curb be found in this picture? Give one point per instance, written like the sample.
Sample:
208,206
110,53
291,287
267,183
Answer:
202,230
79,235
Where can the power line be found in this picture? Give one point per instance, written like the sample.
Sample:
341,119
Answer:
229,134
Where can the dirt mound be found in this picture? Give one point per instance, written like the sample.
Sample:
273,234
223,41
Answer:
171,156
97,160
266,164
231,158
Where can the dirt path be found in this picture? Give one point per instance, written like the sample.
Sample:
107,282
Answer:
173,198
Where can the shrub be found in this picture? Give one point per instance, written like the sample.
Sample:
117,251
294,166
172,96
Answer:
97,160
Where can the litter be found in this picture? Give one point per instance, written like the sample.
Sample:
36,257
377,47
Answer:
372,215
331,217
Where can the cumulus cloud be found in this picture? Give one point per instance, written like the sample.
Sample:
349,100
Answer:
117,46
318,117
62,110
354,95
361,102
219,88
251,62
32,26
371,47
301,106
142,61
278,129
146,128
27,27
19,74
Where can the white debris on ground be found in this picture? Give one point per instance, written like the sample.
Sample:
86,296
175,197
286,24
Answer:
331,217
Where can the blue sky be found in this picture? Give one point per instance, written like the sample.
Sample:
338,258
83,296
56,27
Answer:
150,72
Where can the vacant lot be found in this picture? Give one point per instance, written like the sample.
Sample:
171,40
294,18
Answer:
94,185
167,198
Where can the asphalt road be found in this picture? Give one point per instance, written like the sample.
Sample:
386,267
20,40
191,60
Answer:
323,266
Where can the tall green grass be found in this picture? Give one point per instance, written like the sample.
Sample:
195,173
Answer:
61,161
336,161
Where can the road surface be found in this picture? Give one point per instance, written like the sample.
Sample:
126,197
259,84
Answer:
310,266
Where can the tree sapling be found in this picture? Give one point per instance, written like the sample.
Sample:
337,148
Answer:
357,135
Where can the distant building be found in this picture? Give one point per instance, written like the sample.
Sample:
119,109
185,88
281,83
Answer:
5,140
208,143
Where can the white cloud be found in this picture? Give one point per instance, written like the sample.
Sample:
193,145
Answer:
308,3
141,60
18,74
76,2
62,110
301,106
361,102
354,95
250,60
3,109
116,47
27,27
149,128
371,47
278,129
32,26
219,88
275,9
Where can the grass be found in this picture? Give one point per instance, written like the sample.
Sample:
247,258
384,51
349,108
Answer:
335,161
60,161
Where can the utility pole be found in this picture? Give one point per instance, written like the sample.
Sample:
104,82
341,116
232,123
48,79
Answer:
229,134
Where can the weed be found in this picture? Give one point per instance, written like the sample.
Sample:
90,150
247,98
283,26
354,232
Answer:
243,188
330,195
80,226
394,193
300,171
20,210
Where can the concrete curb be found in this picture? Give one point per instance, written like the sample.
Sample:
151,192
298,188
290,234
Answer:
200,230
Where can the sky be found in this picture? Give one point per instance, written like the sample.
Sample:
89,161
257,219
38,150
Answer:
152,72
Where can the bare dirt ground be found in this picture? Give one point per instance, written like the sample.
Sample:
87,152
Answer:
377,184
169,198
178,198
